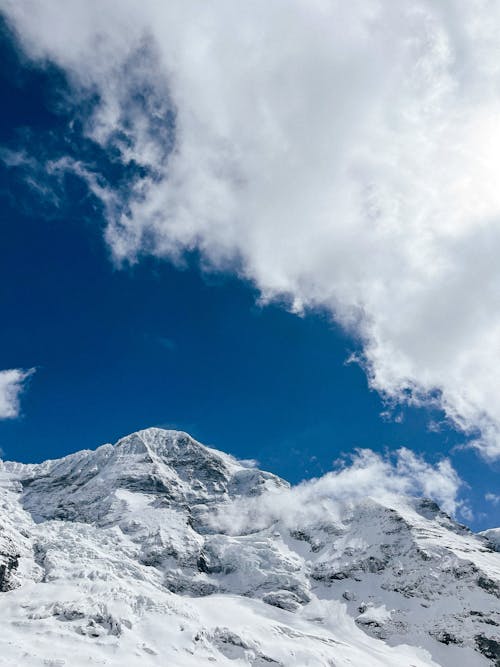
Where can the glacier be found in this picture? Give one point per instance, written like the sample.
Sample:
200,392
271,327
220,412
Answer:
159,550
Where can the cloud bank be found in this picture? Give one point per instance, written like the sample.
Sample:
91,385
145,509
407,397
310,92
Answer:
11,387
339,155
367,474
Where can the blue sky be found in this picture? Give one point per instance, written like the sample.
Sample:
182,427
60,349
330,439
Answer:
169,343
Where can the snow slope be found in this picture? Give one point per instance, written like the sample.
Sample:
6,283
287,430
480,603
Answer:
160,551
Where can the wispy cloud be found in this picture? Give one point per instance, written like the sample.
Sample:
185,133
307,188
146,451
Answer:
492,498
342,154
12,383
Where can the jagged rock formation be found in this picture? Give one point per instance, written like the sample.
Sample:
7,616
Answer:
160,551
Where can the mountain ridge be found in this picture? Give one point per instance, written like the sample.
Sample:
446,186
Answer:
109,547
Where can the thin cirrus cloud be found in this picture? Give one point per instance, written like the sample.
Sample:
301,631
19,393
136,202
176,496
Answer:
12,384
342,155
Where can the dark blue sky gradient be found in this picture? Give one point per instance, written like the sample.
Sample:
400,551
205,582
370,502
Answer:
122,349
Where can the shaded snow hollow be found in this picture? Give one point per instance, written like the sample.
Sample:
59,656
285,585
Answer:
161,551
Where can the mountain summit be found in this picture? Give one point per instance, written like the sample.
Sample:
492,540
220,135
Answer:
161,551
167,465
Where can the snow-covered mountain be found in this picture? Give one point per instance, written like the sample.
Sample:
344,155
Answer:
160,551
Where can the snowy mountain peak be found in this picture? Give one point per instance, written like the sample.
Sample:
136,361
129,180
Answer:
159,550
165,463
169,445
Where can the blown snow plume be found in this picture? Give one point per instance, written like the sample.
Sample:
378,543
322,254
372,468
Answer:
339,155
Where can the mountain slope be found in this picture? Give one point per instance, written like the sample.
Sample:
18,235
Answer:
160,551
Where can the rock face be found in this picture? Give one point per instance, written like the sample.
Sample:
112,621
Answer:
493,537
160,551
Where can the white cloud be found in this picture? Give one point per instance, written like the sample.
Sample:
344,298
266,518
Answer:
11,387
345,155
385,479
492,498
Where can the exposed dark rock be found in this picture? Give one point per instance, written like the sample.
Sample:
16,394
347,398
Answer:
489,585
490,648
8,565
446,637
